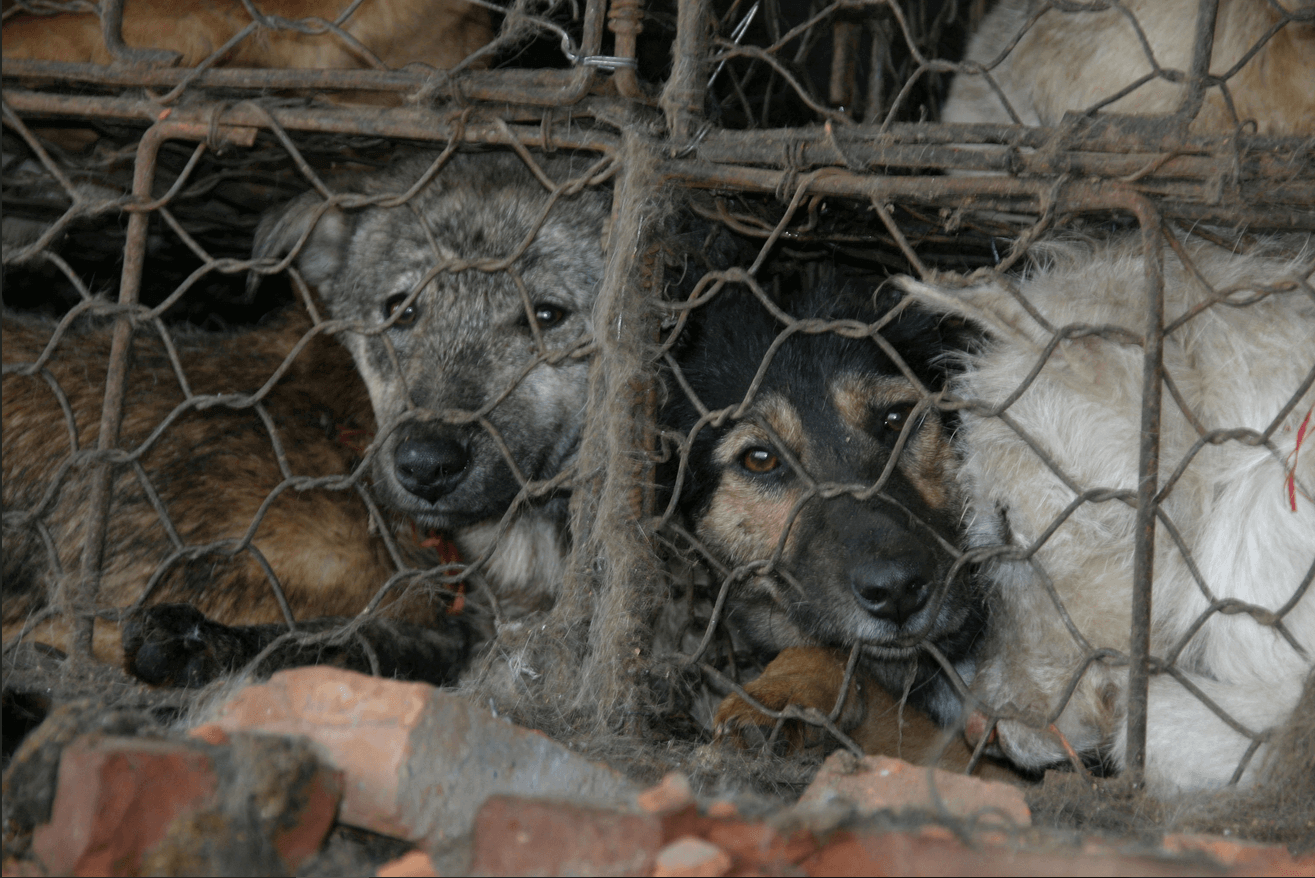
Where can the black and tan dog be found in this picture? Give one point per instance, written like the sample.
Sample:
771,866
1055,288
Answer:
823,476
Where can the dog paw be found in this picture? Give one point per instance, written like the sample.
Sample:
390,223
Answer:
176,645
802,678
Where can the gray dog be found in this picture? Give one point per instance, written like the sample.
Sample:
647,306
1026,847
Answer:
471,307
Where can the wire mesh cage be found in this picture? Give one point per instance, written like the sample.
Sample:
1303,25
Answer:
669,216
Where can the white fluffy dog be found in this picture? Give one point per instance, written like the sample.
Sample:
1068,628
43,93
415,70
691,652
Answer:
1236,530
1072,60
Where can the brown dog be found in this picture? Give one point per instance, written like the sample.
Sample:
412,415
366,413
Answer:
212,469
440,33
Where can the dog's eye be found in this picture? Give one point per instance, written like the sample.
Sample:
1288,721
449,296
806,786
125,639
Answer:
405,315
548,316
760,460
896,417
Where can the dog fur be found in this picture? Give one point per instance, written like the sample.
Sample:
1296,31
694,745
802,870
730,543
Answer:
1071,61
441,33
830,490
467,361
212,469
1242,511
469,315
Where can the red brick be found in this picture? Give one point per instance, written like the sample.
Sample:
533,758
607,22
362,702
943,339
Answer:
300,832
876,783
752,845
417,762
693,857
723,808
515,836
115,799
935,851
364,723
1243,858
671,795
415,864
210,734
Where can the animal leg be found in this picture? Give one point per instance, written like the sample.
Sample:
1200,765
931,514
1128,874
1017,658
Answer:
802,677
176,645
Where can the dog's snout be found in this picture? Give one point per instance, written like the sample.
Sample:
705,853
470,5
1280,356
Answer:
890,588
430,466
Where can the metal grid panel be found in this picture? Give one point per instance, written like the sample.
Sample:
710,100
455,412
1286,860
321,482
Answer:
724,124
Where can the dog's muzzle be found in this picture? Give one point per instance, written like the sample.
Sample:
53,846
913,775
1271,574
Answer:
890,588
430,466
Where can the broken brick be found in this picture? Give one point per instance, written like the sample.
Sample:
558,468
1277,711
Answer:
418,762
690,856
115,799
515,836
876,783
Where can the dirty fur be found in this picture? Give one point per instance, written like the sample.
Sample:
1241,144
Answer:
440,33
1240,360
467,308
475,348
1072,61
212,469
830,493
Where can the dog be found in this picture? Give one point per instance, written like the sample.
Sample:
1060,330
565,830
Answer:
1236,528
829,489
440,33
1076,61
467,310
211,470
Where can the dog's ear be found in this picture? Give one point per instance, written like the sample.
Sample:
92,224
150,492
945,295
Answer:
990,306
316,233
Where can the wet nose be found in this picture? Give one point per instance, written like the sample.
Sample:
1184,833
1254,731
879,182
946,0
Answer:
430,467
888,588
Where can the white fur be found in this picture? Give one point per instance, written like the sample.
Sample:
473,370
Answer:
1071,61
1236,367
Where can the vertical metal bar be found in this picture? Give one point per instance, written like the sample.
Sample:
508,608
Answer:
842,91
682,99
882,33
1148,465
625,19
591,41
1202,46
134,253
116,375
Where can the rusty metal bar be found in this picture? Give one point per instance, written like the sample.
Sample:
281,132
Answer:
1279,194
625,18
1148,469
411,124
995,193
134,253
682,99
1110,154
1202,47
550,88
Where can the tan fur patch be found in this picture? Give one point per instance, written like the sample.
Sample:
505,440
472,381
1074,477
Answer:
927,459
745,519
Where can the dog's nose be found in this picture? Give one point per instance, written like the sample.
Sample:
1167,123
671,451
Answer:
888,588
430,466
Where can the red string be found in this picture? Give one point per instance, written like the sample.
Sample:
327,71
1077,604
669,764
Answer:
448,554
347,437
1292,472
